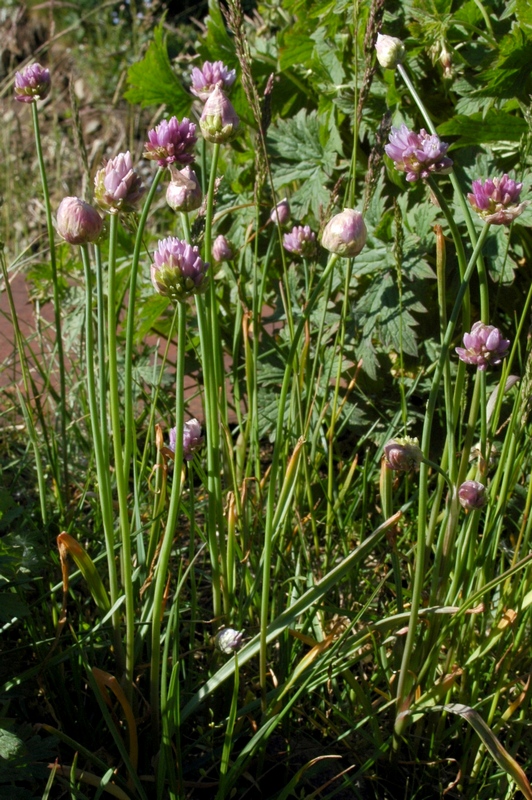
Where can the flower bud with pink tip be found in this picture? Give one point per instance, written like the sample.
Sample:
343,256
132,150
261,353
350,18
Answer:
222,250
345,234
403,454
77,221
219,121
281,213
472,495
184,192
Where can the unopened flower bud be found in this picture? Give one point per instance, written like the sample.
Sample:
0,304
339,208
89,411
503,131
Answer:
345,234
77,221
228,640
281,213
222,250
219,121
403,454
390,51
472,495
184,192
32,84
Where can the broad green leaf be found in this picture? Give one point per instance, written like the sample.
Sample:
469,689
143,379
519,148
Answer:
496,126
499,263
150,310
524,13
217,44
299,155
152,81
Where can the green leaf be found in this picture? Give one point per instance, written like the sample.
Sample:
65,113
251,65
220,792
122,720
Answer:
524,13
152,81
299,155
217,45
500,265
150,310
496,126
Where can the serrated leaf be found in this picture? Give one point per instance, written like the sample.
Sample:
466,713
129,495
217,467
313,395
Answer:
500,265
152,81
496,126
217,45
10,745
325,51
299,155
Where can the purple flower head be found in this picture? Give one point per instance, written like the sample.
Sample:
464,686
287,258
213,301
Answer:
345,234
32,84
178,270
301,241
403,454
77,221
211,74
472,495
192,439
228,640
390,51
222,249
484,346
117,187
184,192
281,213
171,142
419,155
497,200
219,121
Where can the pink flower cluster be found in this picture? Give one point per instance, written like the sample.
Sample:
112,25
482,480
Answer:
171,142
484,346
178,270
418,155
497,200
192,439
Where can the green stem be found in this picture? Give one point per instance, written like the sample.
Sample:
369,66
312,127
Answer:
129,442
420,568
121,485
161,571
102,465
271,505
63,499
